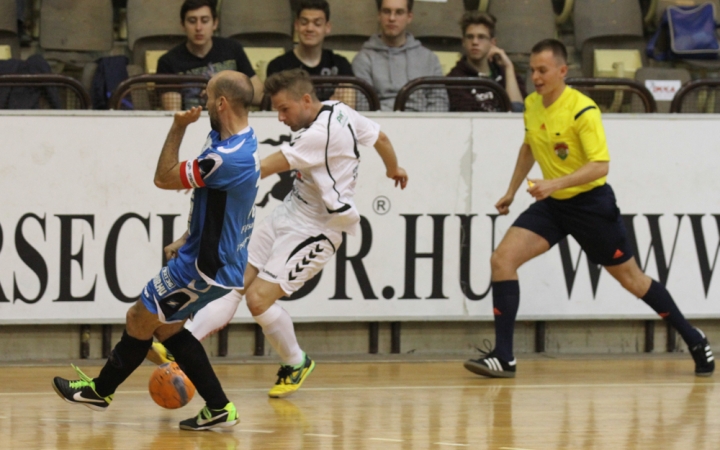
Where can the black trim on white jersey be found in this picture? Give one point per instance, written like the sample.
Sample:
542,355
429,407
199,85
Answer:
357,153
345,206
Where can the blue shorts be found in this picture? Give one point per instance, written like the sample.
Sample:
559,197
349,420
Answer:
173,302
592,218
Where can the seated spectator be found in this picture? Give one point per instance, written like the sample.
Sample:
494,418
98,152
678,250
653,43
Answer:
389,60
483,58
312,24
203,54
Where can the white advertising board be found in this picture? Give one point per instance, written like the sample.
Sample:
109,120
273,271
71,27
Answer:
82,226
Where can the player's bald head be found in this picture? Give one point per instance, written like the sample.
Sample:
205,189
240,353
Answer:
295,82
234,86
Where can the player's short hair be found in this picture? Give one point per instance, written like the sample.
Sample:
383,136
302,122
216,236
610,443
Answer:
478,18
238,91
556,47
296,82
192,5
409,4
321,5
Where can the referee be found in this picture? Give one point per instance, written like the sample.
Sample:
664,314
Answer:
564,134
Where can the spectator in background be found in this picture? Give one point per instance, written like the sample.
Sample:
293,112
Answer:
389,60
312,24
203,54
483,58
25,38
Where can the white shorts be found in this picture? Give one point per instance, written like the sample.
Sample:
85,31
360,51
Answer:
288,252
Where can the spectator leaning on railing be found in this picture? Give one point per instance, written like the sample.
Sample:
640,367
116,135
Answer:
483,58
203,54
389,60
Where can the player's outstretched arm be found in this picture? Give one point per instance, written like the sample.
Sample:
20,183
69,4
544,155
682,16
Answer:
275,163
524,163
385,149
167,173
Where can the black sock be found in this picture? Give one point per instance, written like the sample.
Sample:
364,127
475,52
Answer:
127,355
506,299
662,302
190,355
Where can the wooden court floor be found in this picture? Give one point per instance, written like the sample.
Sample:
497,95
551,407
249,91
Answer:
564,403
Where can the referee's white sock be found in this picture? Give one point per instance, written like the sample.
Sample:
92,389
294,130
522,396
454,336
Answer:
214,316
278,328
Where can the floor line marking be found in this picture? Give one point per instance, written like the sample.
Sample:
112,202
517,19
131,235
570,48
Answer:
451,444
386,440
255,431
93,422
410,388
321,435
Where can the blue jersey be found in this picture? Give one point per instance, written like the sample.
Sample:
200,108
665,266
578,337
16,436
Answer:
222,213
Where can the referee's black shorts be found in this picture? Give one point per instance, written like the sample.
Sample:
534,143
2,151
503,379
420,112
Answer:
592,218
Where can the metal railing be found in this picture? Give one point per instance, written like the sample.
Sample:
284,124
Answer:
616,94
42,91
448,84
352,91
699,96
146,92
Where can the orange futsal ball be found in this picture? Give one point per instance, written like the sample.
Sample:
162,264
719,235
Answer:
169,386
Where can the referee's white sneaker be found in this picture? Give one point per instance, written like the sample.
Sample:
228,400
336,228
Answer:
492,366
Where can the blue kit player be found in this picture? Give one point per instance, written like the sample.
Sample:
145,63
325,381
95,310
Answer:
209,260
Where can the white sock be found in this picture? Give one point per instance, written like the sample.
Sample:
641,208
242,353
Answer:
279,331
214,316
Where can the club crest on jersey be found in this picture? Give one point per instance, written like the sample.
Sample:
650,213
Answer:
341,118
562,150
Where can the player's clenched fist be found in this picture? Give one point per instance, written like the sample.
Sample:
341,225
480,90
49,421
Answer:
185,118
503,205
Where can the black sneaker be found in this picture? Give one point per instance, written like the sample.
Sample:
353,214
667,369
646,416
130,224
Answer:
212,418
491,366
81,392
704,360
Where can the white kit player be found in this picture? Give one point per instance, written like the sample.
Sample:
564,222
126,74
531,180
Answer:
299,237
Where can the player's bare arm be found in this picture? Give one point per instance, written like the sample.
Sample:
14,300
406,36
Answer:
275,163
524,163
542,189
258,90
385,149
172,249
167,173
511,86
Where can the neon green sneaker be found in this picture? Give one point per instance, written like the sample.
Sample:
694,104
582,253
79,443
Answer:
163,355
81,391
291,378
212,418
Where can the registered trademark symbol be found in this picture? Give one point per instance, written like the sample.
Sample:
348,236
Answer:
381,205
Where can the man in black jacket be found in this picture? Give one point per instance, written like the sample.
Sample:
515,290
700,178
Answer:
203,54
483,58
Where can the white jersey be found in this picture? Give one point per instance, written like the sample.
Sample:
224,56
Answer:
326,158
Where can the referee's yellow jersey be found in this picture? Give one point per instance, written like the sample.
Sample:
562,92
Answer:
565,136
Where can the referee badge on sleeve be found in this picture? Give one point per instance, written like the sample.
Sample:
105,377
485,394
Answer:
562,150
